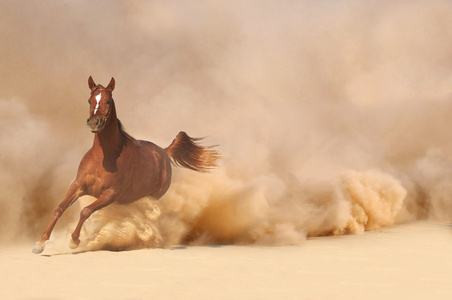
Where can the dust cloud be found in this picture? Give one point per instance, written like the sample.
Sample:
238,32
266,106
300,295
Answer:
332,116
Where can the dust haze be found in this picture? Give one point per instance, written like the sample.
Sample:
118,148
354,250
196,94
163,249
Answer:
332,116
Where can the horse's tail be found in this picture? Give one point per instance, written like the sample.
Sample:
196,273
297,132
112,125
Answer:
185,152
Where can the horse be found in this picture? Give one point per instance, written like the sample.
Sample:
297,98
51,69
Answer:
120,169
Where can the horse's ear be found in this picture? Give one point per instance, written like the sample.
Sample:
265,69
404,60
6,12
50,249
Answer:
111,85
91,84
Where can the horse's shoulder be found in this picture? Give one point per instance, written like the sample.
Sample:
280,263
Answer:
88,160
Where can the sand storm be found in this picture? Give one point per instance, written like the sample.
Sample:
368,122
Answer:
333,116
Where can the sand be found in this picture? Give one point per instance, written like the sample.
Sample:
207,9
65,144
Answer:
412,261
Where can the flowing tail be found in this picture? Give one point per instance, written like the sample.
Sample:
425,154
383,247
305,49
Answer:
185,152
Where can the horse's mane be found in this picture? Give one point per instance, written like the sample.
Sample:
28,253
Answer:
128,136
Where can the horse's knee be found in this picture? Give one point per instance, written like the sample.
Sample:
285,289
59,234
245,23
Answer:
58,212
85,213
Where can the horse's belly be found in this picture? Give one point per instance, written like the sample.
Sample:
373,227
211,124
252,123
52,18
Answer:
152,182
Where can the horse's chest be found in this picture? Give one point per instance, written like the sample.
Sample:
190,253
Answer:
100,177
96,178
96,183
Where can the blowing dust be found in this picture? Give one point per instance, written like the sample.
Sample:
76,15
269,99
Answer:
332,116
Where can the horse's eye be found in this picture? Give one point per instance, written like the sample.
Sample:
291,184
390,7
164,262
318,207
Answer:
108,101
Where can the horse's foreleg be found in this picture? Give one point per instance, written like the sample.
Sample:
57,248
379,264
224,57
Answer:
105,199
72,195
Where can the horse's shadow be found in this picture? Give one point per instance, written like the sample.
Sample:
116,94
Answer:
84,250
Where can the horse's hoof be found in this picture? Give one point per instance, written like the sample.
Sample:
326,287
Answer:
38,248
73,244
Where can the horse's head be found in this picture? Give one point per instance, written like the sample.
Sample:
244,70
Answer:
100,105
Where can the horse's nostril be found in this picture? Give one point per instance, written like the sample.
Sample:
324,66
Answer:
97,122
87,121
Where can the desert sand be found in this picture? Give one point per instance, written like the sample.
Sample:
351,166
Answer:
411,261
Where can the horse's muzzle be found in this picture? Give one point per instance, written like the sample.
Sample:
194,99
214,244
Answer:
95,124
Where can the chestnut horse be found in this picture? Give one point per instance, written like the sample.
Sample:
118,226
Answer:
121,169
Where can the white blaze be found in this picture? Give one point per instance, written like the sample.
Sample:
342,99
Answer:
97,105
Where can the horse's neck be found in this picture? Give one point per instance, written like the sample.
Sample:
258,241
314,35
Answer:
110,139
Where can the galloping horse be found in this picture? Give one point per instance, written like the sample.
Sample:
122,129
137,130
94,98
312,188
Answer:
121,169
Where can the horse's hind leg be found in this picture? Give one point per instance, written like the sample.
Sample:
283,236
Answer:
105,199
72,195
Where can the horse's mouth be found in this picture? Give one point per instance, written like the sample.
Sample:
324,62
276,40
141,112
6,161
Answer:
96,129
95,124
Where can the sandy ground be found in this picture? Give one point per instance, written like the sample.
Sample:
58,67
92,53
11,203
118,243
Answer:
412,261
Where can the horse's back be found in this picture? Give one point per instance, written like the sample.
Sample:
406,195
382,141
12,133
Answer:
151,149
